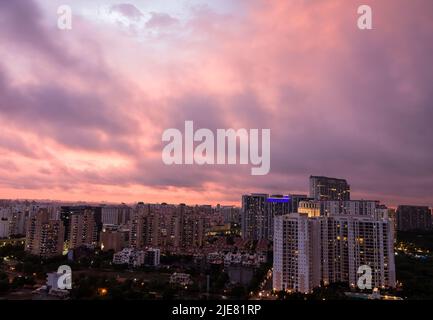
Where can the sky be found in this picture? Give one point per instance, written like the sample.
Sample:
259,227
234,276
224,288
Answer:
82,112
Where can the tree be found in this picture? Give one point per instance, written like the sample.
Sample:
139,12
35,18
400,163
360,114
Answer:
238,292
4,282
221,281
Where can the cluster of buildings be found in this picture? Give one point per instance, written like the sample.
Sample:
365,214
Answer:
182,279
316,239
246,259
325,237
311,250
14,216
259,210
52,229
177,228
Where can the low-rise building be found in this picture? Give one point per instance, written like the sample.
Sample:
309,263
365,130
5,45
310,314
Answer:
152,257
127,256
137,258
183,279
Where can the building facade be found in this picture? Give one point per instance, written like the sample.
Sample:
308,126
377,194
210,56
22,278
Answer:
115,215
169,227
414,218
256,221
259,210
45,236
291,270
325,188
113,239
85,221
329,240
83,229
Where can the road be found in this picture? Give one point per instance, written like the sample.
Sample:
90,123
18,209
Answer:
265,289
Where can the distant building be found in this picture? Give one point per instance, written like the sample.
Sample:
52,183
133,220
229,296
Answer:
4,224
152,257
277,205
44,236
82,225
18,220
259,210
81,252
231,214
311,208
113,239
182,279
174,228
137,258
392,214
192,227
414,218
256,219
331,208
83,229
295,200
115,215
13,219
129,256
325,188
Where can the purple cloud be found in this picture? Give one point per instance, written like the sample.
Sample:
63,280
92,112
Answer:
161,20
127,10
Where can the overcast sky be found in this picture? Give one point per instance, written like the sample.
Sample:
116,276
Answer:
82,112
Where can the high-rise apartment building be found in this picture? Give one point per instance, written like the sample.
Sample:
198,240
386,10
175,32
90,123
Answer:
4,224
348,242
325,188
138,226
112,238
231,214
350,207
327,241
411,218
18,221
147,226
392,214
295,200
44,235
66,213
115,215
83,229
256,221
311,208
152,257
291,269
192,229
169,227
13,218
259,210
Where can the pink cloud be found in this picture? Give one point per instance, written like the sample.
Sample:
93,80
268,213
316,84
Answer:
85,121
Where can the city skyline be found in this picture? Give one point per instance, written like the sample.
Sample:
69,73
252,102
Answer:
320,188
84,123
238,203
324,245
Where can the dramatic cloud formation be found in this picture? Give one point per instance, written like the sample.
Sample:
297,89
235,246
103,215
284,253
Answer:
158,20
82,112
128,10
